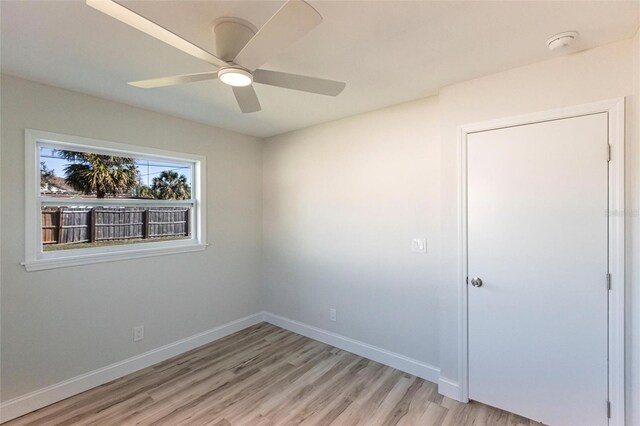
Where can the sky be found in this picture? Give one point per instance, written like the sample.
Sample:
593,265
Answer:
148,169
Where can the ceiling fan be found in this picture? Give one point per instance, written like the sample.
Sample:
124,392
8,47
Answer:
241,49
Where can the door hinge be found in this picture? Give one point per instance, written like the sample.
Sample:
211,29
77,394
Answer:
467,280
608,409
608,281
608,152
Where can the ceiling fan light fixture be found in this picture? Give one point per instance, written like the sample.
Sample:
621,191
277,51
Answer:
235,76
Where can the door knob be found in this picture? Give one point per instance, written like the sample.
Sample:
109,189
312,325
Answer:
476,282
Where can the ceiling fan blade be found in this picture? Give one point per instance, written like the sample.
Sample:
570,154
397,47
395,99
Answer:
173,80
299,82
291,22
131,18
247,99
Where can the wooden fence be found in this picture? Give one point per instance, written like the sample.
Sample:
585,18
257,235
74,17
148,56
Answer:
67,225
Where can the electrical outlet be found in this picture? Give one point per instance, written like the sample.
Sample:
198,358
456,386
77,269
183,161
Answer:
332,314
419,245
138,333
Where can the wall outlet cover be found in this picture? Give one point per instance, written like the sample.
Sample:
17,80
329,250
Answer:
419,245
138,333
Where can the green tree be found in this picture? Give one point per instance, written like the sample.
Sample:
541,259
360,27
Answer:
103,175
171,186
46,174
143,191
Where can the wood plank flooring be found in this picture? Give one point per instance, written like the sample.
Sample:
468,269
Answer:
263,376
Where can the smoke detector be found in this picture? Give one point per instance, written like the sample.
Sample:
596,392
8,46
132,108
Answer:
562,41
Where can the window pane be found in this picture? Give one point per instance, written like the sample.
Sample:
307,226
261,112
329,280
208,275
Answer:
67,174
66,227
97,200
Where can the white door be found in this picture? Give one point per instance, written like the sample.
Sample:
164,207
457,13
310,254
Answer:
537,239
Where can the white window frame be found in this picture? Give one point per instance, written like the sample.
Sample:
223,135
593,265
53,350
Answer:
36,259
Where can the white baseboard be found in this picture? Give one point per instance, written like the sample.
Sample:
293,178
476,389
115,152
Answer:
449,388
383,356
32,401
42,397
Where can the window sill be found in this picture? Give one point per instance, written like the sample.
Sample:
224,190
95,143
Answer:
87,259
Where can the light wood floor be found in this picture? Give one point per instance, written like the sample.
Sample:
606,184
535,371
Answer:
262,376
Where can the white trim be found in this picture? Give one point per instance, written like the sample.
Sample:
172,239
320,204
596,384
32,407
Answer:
615,111
125,253
36,260
383,356
616,263
463,351
449,388
42,397
108,147
75,201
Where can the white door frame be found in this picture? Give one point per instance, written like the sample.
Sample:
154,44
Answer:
615,110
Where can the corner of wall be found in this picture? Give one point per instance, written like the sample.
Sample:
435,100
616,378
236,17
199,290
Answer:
633,275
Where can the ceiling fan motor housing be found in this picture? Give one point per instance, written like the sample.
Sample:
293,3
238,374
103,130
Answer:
231,35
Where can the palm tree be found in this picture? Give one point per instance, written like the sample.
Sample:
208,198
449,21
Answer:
98,174
171,186
142,191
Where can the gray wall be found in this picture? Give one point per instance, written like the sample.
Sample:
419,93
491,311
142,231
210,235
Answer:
342,202
60,323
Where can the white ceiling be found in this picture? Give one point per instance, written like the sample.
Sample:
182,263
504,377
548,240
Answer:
387,52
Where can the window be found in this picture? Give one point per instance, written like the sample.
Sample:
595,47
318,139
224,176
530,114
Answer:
93,201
